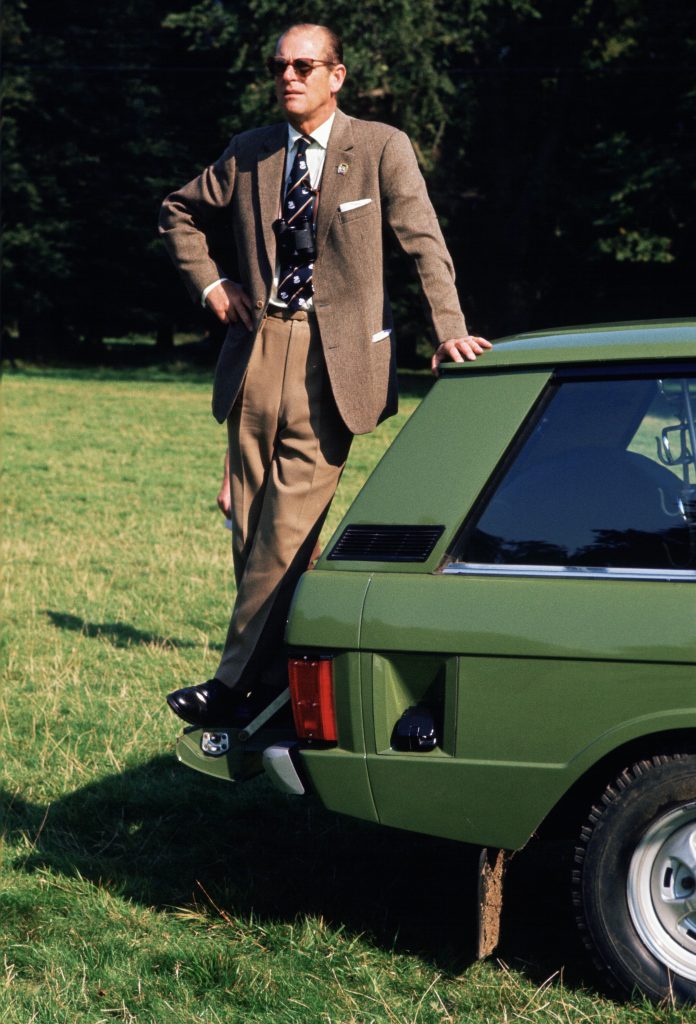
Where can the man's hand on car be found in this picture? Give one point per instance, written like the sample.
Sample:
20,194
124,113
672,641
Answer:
459,350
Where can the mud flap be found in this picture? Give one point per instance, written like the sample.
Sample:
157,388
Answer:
492,865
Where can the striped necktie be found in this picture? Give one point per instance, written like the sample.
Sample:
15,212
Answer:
295,284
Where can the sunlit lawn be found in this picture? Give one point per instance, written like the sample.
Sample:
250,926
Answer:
132,889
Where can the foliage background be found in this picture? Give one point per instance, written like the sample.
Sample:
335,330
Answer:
556,136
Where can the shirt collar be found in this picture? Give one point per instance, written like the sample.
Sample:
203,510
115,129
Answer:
320,135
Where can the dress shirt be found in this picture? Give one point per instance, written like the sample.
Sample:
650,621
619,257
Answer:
316,154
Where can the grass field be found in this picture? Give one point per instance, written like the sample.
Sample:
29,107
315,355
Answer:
134,890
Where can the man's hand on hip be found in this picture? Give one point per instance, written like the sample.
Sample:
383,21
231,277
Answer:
458,350
230,303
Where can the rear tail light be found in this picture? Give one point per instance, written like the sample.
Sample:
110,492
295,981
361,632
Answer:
311,690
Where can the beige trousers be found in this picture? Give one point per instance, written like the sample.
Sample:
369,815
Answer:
288,446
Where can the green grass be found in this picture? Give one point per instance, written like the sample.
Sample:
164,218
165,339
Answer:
134,890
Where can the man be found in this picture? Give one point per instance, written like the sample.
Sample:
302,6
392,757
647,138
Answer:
295,213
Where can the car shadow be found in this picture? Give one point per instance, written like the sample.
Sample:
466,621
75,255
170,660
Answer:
168,838
539,937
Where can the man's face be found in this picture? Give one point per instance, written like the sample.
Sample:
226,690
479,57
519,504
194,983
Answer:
307,100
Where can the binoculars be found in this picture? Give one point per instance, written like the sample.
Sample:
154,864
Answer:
295,241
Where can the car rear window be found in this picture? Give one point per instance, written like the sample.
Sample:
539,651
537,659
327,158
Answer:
605,479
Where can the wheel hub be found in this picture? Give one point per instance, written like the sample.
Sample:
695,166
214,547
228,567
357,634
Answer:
661,890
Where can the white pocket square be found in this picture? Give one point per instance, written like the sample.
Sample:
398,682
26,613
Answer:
353,205
381,335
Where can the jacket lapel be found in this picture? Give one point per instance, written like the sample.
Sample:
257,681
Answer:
336,170
269,169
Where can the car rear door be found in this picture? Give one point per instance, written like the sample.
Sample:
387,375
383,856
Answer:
559,626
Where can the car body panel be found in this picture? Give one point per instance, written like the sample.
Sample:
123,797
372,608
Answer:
604,619
602,664
341,781
543,673
327,609
450,426
596,344
524,735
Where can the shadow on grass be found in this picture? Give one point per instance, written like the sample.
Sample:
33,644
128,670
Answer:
539,936
164,836
119,634
167,837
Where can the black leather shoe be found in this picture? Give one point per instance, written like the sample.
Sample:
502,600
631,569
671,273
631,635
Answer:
210,703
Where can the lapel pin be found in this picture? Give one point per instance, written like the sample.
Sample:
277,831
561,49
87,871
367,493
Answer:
342,169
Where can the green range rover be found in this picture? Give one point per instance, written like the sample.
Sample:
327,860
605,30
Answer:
500,638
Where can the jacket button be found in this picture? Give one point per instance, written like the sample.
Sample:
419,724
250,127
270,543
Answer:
259,304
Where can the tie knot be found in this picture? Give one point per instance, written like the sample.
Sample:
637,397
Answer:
302,144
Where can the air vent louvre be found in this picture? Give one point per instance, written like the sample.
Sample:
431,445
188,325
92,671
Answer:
386,543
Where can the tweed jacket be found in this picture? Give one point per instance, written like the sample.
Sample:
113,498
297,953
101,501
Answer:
220,225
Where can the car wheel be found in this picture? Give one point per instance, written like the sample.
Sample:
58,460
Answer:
635,878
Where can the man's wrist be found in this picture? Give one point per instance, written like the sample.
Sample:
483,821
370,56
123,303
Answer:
206,291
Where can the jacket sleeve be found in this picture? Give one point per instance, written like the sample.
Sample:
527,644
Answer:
189,219
410,214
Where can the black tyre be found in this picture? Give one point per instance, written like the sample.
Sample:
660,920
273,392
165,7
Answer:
635,879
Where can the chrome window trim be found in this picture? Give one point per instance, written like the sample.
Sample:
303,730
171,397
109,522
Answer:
567,572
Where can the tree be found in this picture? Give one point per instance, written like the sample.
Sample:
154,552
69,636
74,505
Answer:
87,158
554,135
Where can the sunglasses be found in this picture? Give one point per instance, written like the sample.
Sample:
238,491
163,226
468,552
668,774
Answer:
302,66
